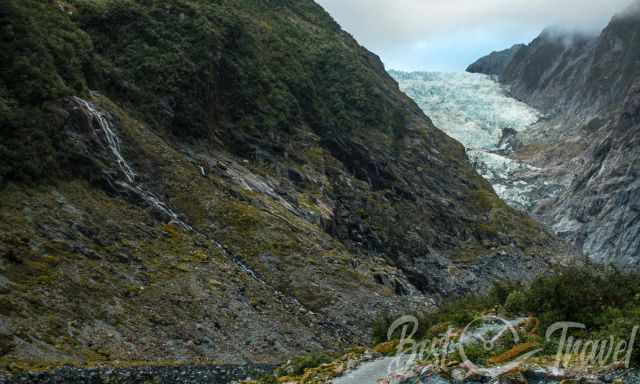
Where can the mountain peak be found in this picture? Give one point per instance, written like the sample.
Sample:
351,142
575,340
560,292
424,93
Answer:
496,62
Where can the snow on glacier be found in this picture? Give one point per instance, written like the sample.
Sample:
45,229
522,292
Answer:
474,109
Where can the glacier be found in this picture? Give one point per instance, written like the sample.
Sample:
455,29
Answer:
471,108
476,110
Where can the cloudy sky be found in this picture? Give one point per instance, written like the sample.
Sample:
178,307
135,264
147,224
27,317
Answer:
448,35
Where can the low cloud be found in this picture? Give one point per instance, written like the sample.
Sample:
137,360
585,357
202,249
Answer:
388,27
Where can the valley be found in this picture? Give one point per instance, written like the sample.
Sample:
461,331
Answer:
199,191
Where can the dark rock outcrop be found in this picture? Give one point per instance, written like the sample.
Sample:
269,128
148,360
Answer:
496,62
509,141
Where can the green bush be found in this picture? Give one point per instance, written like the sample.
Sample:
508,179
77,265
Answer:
267,379
476,353
580,294
620,324
312,360
516,303
380,328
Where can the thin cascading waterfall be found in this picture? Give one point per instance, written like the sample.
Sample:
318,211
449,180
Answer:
112,142
111,139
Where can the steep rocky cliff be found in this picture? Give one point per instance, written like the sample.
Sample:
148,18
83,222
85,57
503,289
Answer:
223,180
587,86
496,62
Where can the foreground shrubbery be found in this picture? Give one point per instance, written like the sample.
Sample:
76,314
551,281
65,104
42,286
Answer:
607,301
311,360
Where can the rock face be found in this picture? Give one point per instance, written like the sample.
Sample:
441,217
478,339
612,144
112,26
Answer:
496,62
234,180
588,87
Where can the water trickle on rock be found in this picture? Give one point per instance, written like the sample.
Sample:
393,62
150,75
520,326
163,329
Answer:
111,139
112,143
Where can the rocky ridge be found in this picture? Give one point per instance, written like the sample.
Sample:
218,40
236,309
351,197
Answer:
587,87
496,62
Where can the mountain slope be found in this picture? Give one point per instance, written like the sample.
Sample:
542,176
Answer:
496,62
229,180
588,88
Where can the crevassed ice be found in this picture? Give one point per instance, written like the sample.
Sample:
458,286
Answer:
474,109
493,166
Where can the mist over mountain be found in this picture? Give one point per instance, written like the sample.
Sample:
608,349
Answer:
586,85
418,35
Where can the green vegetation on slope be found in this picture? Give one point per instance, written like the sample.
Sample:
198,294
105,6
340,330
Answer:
606,301
266,81
319,174
237,71
44,58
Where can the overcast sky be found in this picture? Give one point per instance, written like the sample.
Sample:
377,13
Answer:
448,35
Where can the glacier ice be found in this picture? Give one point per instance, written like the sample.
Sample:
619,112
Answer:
471,108
475,109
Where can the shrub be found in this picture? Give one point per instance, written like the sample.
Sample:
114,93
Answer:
380,328
312,360
267,379
516,303
580,294
44,58
607,301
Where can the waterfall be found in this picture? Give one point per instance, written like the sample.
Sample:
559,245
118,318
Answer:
112,142
111,139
